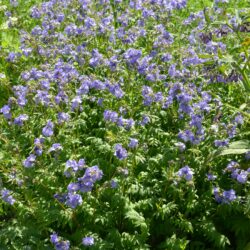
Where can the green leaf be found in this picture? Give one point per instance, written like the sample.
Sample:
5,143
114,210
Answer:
237,147
136,218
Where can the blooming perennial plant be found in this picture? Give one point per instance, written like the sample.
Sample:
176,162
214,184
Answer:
124,124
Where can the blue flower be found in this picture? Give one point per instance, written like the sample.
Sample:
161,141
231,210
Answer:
217,195
211,177
20,119
242,176
221,143
93,173
239,119
81,163
229,196
54,238
38,146
145,120
132,55
110,116
247,155
76,102
63,117
72,164
55,147
231,166
133,143
88,241
61,197
116,91
11,57
30,161
113,184
186,172
73,186
7,197
86,183
181,146
58,243
73,200
48,129
5,110
120,152
43,97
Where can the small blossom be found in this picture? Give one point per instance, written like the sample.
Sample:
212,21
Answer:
7,197
63,117
81,163
228,196
48,129
231,166
186,172
181,146
120,152
30,161
38,146
211,177
113,184
239,119
93,173
73,200
20,119
5,110
88,241
55,147
60,197
58,243
242,176
74,165
123,171
221,143
145,120
54,238
247,155
133,143
217,195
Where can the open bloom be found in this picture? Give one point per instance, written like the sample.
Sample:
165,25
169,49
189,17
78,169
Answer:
133,143
55,147
30,161
186,172
7,197
120,152
88,241
58,243
48,129
20,119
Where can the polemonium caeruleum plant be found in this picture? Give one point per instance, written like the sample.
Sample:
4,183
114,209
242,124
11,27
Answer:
124,124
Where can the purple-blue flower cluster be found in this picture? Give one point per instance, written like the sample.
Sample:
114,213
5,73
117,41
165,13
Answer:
120,152
87,181
113,116
7,197
226,196
186,172
73,166
236,173
59,243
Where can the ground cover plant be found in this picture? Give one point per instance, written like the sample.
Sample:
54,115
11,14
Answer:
124,124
